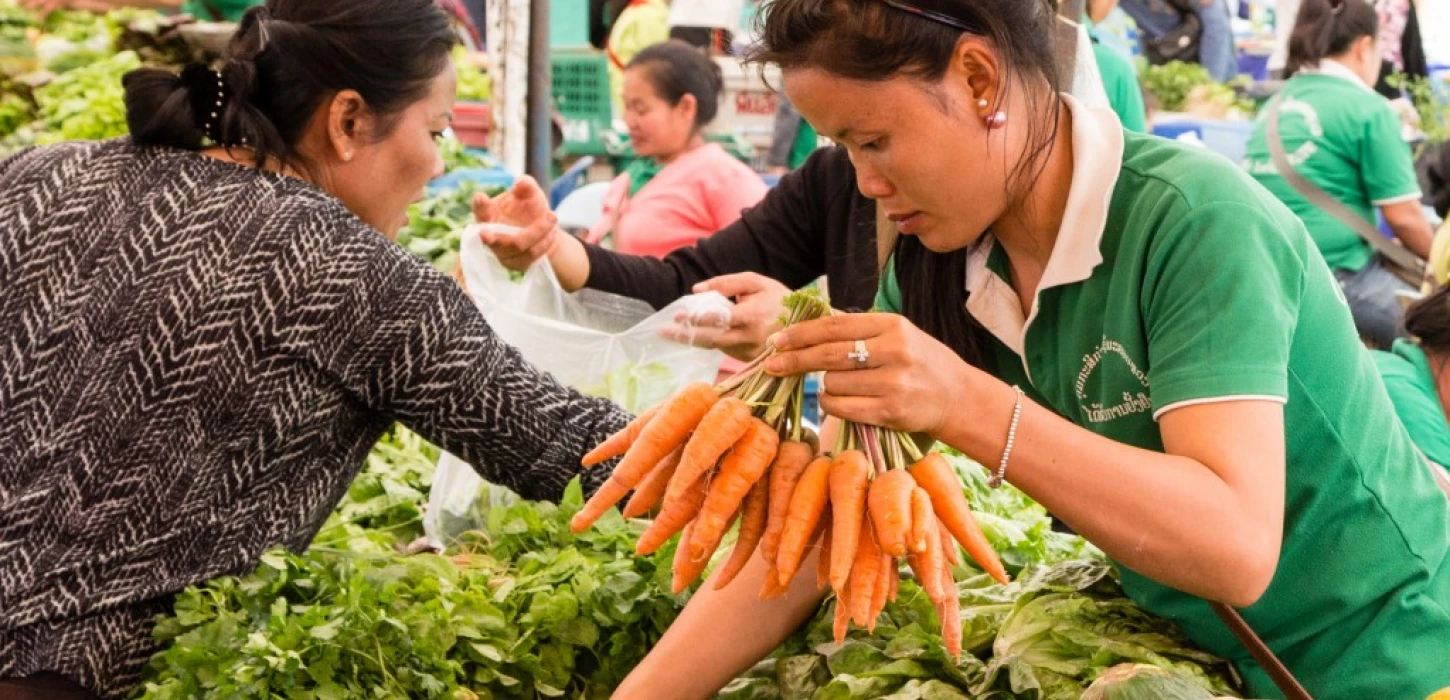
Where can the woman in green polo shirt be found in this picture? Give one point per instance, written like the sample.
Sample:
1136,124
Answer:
1415,375
1342,136
1192,394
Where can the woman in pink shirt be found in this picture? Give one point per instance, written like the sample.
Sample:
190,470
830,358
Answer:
682,188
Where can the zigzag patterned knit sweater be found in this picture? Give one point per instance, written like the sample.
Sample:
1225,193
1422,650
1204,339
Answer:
195,358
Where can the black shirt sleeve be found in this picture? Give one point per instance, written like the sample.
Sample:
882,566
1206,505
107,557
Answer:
813,223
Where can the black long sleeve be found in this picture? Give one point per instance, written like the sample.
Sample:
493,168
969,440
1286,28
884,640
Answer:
815,222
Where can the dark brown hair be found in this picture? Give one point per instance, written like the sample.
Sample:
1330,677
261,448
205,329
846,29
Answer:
285,59
873,40
1428,320
1327,28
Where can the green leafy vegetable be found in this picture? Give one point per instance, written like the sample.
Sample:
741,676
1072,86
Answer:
87,103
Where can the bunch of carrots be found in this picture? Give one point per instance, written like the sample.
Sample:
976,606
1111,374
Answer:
711,456
704,458
877,501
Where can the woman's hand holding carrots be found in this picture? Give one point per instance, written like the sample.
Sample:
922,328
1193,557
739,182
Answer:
899,386
711,457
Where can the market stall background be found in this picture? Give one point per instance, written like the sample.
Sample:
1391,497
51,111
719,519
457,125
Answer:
516,606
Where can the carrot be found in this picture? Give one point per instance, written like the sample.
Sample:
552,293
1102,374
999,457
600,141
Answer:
889,503
927,567
772,587
842,619
649,492
686,568
823,562
725,423
895,583
790,463
739,472
806,506
951,615
620,442
657,440
850,476
922,519
948,545
672,518
864,576
934,475
886,572
752,528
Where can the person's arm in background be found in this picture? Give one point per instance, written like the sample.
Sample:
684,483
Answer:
1388,173
1098,10
784,238
1407,220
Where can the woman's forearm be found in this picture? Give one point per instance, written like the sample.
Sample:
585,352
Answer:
1170,518
721,634
570,262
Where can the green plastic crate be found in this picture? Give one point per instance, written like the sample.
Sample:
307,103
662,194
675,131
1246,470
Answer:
568,23
581,94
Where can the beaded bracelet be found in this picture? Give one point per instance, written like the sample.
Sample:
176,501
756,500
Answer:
1001,472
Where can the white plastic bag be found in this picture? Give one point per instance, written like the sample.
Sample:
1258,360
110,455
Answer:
601,344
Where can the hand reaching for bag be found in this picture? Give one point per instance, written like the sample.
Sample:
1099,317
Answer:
526,207
753,319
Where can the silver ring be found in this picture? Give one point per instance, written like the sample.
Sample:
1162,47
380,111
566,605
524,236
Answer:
860,354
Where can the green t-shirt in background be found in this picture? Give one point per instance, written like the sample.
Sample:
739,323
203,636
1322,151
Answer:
219,10
1411,385
1346,139
1121,83
1213,291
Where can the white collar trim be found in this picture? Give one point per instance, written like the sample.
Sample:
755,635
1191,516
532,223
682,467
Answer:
1097,138
1334,69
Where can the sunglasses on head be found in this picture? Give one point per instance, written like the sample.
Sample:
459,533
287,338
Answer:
935,15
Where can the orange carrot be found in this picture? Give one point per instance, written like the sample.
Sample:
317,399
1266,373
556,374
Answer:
886,571
923,520
686,568
752,528
850,476
948,545
657,440
950,503
864,576
772,587
889,503
739,472
842,619
649,492
895,583
823,562
927,567
672,518
806,506
951,616
790,463
620,442
719,429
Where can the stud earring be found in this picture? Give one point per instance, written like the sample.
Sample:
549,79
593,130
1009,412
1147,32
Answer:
997,120
982,103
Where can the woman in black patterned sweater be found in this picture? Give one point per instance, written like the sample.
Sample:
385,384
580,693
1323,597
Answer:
199,343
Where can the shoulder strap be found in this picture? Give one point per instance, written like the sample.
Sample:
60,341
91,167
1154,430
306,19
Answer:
1395,254
1278,672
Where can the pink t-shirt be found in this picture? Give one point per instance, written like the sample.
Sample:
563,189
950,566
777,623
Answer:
698,194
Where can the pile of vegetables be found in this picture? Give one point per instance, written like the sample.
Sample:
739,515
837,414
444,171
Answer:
525,608
86,103
435,225
1188,87
520,609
